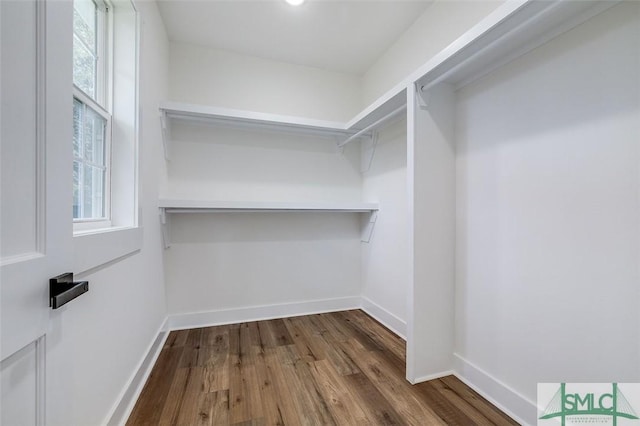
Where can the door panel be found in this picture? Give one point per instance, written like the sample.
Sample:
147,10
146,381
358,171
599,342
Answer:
22,385
19,150
24,262
35,193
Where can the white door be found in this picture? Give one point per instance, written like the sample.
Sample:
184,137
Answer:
35,195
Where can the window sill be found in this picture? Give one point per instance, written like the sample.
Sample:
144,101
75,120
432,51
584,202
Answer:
97,247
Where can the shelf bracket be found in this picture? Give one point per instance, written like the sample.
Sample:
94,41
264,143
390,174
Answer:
165,126
373,126
368,152
423,96
367,225
339,148
166,240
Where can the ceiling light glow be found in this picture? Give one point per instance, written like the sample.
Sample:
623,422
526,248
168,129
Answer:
295,2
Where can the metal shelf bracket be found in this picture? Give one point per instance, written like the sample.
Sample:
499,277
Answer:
368,152
165,126
423,96
367,226
166,237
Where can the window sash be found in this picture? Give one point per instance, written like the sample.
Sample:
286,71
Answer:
105,219
101,54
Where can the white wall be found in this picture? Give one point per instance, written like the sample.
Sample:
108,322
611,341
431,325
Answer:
385,260
226,79
547,271
220,163
431,170
95,347
242,260
438,26
221,261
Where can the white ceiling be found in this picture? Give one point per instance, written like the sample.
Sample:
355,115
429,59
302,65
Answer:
344,36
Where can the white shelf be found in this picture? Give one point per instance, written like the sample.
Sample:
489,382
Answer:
199,206
251,118
382,107
248,120
340,132
512,30
172,206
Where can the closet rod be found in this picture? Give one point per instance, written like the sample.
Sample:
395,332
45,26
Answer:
373,125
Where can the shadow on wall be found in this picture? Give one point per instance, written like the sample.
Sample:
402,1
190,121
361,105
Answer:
223,163
214,228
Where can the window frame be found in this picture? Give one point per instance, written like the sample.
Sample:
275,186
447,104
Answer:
101,104
96,247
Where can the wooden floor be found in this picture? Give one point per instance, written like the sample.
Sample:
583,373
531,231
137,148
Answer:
340,368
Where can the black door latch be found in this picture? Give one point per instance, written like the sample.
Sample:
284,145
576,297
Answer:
63,289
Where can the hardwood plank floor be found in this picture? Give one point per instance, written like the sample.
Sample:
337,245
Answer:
341,368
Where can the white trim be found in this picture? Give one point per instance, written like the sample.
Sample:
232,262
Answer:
94,249
129,394
410,363
383,316
182,321
508,400
431,377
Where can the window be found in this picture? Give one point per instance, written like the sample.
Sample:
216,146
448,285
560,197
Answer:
105,131
91,117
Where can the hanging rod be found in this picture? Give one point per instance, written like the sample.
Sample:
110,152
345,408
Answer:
373,125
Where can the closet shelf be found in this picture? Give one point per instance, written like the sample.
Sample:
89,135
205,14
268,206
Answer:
370,210
198,206
249,120
363,126
512,30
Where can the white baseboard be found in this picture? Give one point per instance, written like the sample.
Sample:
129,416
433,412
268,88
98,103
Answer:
498,393
131,391
260,313
389,320
431,377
